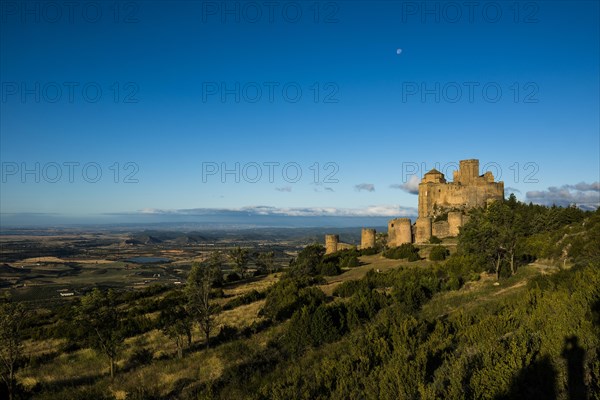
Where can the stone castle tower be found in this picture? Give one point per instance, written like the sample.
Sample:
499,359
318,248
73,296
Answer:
438,198
367,238
443,208
399,232
331,243
468,190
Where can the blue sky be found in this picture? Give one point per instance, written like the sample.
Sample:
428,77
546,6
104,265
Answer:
385,87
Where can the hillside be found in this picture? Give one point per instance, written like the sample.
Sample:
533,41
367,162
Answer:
354,324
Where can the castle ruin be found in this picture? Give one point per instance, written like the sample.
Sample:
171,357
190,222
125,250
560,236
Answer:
367,238
443,207
399,232
333,244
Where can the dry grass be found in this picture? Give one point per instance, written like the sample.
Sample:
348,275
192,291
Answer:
374,262
166,374
480,294
241,316
36,348
34,260
162,377
157,342
78,365
43,259
258,284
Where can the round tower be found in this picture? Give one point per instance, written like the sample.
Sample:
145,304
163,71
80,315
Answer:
367,238
331,243
399,232
423,230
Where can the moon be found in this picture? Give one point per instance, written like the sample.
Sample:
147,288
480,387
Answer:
398,51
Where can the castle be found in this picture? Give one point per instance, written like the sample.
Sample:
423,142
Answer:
443,208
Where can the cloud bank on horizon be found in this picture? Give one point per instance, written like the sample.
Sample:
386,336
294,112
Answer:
368,211
583,195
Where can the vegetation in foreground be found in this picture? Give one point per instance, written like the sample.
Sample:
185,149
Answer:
484,322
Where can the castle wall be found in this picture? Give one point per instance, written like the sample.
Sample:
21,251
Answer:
435,197
454,222
367,238
345,246
331,243
441,229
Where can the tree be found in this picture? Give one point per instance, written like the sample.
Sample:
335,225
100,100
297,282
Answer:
198,291
381,240
240,258
496,233
511,238
480,237
100,317
308,261
215,262
265,261
175,320
12,320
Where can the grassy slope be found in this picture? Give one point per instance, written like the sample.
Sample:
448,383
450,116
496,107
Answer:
166,374
482,294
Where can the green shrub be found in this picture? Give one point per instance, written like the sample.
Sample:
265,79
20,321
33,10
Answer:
349,261
348,288
438,253
414,257
232,277
313,328
138,358
403,251
308,261
330,269
454,283
364,305
435,240
369,251
226,334
465,264
288,295
246,298
474,276
235,350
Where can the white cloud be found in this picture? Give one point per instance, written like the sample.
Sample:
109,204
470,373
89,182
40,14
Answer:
412,186
584,187
369,187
